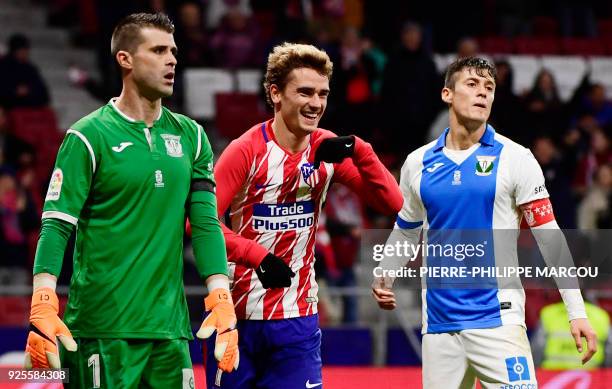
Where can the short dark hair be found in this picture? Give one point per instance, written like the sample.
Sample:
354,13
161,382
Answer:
482,67
126,35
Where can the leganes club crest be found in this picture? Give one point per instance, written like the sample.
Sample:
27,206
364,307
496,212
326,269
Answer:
174,148
484,166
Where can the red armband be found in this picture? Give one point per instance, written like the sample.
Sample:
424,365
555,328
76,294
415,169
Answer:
538,212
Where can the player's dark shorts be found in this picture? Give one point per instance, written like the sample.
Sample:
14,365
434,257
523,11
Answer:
129,363
273,354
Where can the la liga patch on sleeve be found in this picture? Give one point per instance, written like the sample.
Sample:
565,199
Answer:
55,185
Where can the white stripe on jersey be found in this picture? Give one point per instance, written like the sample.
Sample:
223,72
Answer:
290,298
275,174
506,217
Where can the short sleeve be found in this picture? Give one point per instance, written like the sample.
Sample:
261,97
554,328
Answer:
203,164
71,178
412,213
529,180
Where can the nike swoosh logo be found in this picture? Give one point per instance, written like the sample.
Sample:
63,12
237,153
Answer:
122,146
347,145
435,167
261,269
309,385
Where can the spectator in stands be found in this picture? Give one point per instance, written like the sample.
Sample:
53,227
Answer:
506,113
543,105
467,47
410,92
598,154
353,75
18,217
345,223
554,346
558,182
191,37
22,84
14,153
378,58
235,44
216,10
595,206
598,106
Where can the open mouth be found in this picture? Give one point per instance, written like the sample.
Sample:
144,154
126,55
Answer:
169,77
310,116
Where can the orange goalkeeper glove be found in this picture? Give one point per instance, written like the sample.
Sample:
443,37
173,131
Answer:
45,327
222,319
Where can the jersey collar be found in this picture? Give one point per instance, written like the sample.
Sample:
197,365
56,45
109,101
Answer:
111,102
486,139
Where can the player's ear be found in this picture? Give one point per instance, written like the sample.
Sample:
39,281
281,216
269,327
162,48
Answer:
275,94
124,59
447,95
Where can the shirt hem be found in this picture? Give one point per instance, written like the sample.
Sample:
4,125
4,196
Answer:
128,335
465,325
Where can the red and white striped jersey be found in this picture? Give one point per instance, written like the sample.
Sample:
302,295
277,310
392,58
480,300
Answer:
272,200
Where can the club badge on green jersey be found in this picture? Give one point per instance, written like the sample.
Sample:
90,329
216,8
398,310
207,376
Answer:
174,148
55,185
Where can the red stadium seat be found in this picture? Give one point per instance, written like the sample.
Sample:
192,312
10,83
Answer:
35,126
582,46
537,46
14,310
496,45
237,112
607,42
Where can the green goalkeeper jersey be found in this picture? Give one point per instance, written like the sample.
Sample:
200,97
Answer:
126,187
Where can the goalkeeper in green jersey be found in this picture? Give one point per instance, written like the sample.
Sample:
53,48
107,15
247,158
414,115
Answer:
126,175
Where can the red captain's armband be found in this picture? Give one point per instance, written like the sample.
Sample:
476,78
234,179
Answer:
538,212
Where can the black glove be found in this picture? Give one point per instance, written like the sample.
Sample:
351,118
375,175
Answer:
273,272
334,150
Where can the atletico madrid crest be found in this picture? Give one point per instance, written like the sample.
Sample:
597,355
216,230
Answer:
310,174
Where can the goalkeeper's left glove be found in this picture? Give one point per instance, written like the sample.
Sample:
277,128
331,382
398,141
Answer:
45,327
334,150
221,318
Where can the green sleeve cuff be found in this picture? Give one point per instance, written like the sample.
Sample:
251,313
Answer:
206,235
54,235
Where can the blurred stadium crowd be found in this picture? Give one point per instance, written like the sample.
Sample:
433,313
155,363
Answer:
385,88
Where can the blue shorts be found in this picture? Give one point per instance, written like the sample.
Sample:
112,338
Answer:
273,354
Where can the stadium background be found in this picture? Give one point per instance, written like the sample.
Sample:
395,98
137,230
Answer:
554,95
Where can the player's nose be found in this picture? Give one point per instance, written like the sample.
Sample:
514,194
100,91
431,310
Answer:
171,60
315,102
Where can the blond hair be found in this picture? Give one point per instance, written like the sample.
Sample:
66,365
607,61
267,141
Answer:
288,56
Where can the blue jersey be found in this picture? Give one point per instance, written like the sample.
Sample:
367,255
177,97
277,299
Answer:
476,189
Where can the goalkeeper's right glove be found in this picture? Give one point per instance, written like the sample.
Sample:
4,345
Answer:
221,318
45,327
273,272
